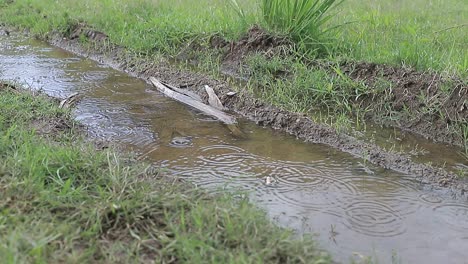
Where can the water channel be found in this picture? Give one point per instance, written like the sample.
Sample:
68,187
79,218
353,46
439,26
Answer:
352,207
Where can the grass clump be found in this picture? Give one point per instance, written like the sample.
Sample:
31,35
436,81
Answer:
303,21
61,201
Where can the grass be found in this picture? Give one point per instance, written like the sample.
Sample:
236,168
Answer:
302,20
144,26
61,201
306,87
427,36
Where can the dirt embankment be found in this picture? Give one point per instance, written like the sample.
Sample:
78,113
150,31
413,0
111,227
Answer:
428,104
265,114
425,103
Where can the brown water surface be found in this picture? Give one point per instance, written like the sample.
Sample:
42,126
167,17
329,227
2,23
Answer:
354,208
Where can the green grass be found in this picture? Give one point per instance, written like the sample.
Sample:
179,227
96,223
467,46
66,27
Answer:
425,35
61,201
141,25
301,20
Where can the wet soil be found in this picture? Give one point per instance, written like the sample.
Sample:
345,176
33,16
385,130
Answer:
424,103
53,128
234,54
264,114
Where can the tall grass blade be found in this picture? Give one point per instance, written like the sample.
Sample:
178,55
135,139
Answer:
238,9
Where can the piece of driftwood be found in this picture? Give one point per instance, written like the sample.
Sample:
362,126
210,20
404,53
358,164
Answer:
69,101
228,119
213,99
183,91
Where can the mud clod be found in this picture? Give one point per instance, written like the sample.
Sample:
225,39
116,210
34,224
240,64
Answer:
256,40
81,29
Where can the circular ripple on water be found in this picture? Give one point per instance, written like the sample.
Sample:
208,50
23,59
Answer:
92,79
383,183
309,187
219,165
455,215
373,219
309,200
92,119
139,137
403,204
430,198
210,176
320,179
115,133
395,192
302,176
225,156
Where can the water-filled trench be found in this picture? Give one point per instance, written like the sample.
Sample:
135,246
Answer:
353,208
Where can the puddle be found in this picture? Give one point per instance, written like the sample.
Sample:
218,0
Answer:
354,208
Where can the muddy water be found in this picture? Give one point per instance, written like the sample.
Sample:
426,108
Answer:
353,208
451,158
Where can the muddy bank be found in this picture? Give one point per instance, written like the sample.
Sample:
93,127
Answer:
425,103
262,113
51,127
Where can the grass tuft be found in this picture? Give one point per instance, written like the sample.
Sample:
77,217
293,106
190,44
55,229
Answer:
302,20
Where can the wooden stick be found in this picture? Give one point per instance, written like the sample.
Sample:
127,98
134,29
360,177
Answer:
185,92
228,119
213,99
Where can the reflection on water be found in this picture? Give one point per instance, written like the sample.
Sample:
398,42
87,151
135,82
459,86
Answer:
351,206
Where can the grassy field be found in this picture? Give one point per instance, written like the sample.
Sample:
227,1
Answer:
61,201
426,35
430,36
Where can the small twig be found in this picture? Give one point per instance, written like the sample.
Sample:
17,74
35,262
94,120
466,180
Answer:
213,99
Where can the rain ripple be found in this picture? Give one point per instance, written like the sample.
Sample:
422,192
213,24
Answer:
374,219
455,215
